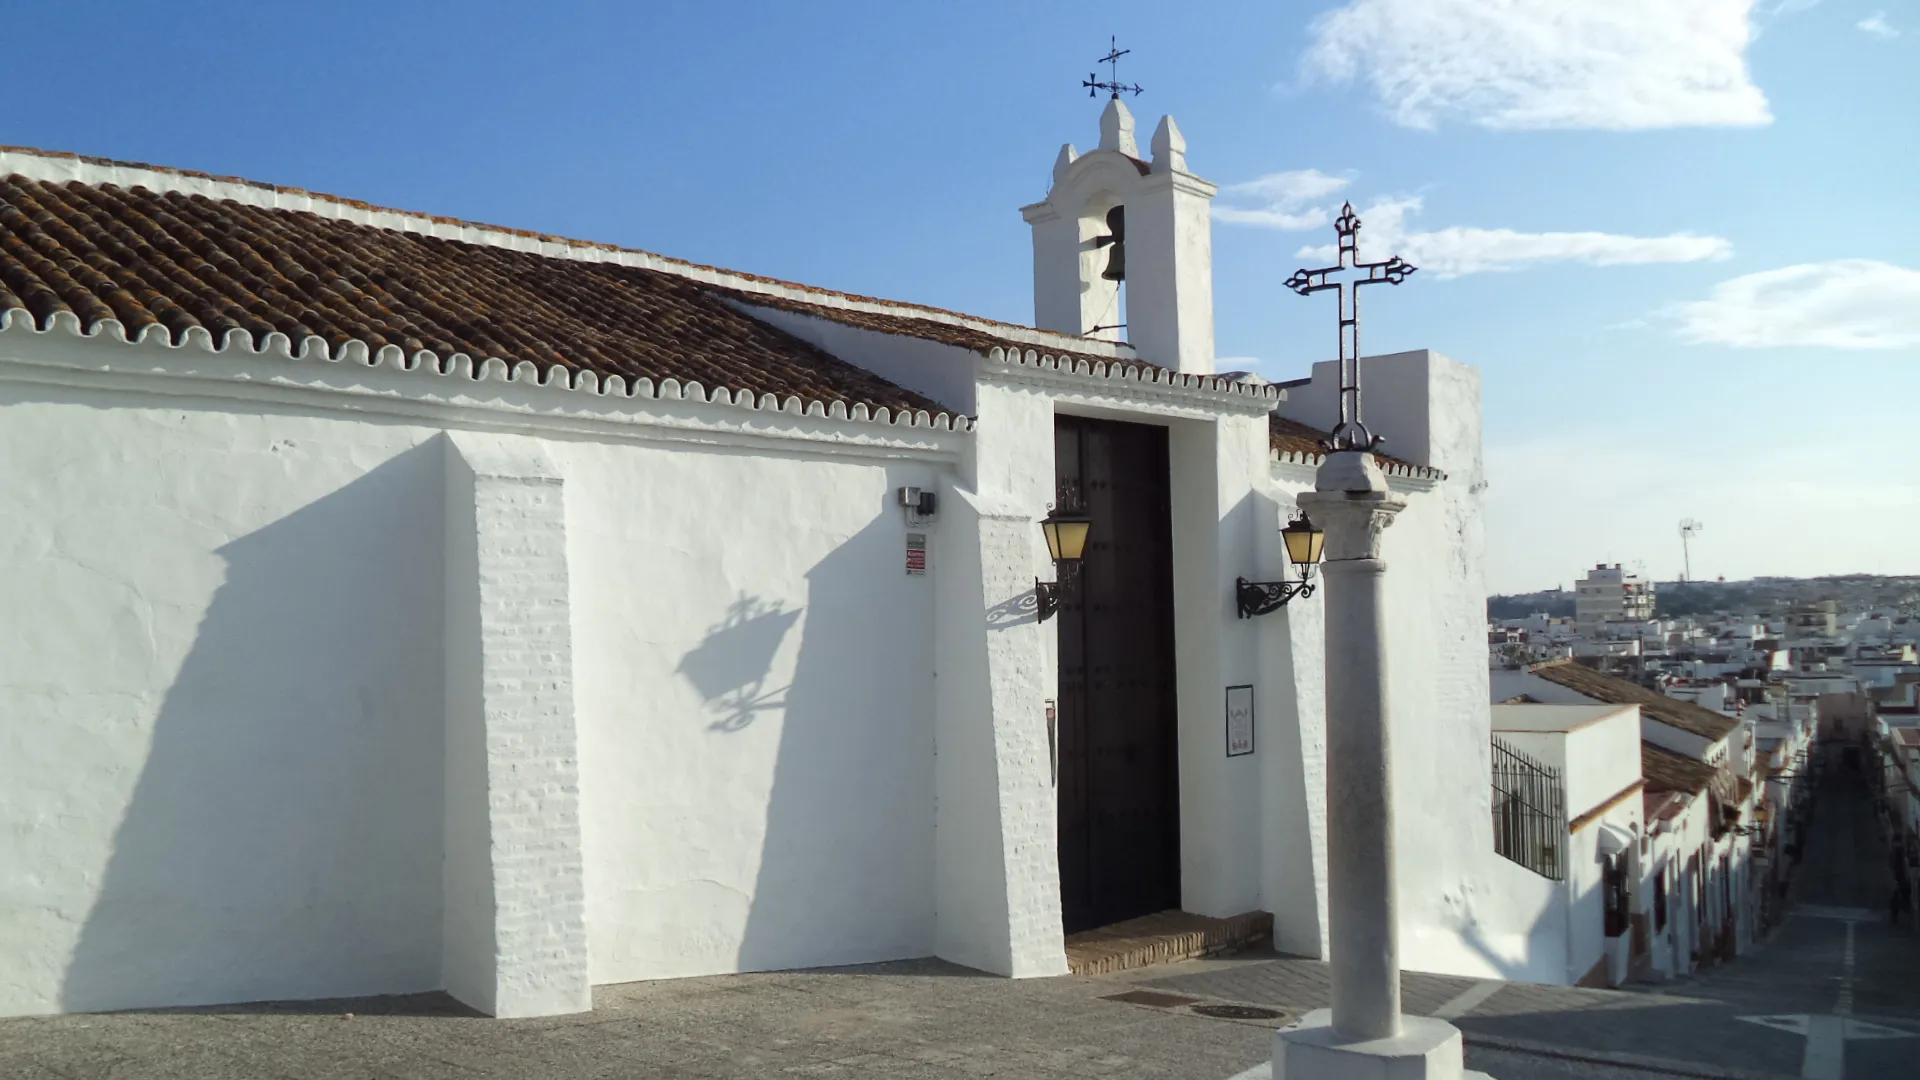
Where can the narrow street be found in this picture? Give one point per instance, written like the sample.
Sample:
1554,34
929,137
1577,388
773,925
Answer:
1836,968
1832,992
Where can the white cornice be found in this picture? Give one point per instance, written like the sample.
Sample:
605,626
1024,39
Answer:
1303,468
1130,384
456,392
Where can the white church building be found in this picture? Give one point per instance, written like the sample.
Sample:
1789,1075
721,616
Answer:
394,603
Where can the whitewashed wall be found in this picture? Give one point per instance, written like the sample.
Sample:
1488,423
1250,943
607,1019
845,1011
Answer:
227,732
1556,934
1685,843
1221,517
230,703
754,673
220,702
1428,407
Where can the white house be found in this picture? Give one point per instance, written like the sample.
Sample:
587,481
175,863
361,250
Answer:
397,603
1672,729
1583,897
1683,898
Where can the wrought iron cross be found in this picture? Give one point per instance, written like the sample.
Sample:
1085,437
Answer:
1113,83
1351,433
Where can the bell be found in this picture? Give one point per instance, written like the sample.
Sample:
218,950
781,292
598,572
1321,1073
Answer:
1117,240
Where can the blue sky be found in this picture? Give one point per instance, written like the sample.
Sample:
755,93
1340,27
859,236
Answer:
1683,234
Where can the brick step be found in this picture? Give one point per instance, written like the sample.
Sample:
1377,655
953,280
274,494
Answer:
1165,937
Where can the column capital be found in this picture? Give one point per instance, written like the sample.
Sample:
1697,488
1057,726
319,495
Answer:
1351,503
1353,521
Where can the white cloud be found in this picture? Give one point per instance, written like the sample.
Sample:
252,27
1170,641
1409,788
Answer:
1844,304
1281,200
1877,25
1458,250
1512,64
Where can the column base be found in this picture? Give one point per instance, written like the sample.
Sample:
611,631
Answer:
1425,1049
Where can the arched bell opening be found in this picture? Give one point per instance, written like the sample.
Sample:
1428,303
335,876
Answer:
1103,268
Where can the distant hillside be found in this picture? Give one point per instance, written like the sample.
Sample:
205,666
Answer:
1520,605
1760,596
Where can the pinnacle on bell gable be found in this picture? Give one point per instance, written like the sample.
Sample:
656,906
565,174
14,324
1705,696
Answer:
1169,147
1068,155
1116,129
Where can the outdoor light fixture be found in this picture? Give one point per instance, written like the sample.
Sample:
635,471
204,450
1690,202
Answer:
1304,542
1066,542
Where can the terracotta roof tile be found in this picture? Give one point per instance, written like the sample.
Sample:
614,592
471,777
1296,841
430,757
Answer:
947,333
1659,805
1665,770
1290,437
179,261
162,174
1684,715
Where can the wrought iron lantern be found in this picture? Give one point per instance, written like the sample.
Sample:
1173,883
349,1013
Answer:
1304,543
1066,542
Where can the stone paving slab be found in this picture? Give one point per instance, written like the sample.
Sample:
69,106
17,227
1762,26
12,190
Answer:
917,1020
1603,1022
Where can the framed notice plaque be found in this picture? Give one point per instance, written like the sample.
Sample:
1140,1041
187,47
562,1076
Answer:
1239,720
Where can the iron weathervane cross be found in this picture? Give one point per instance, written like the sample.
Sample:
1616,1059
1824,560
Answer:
1351,433
1113,83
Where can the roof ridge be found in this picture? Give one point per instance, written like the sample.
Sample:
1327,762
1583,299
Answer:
59,166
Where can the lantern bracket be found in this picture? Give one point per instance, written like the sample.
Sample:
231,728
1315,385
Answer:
1265,597
1046,598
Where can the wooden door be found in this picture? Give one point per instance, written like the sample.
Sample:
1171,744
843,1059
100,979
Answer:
1119,797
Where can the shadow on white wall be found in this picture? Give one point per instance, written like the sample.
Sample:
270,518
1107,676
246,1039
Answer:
846,865
731,665
283,839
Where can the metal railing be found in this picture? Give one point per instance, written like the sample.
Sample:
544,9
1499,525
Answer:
1529,812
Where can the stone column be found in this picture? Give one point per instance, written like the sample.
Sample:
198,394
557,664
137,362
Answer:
1364,1034
1350,501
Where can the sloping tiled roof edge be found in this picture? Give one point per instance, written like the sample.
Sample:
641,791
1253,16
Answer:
62,167
1666,771
1245,397
1295,443
1600,686
487,369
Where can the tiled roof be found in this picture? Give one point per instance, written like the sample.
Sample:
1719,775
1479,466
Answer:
1294,441
156,247
1660,805
947,333
64,166
1665,770
1684,715
180,261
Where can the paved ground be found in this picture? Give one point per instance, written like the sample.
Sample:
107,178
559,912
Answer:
924,1019
908,1020
1835,959
918,1020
